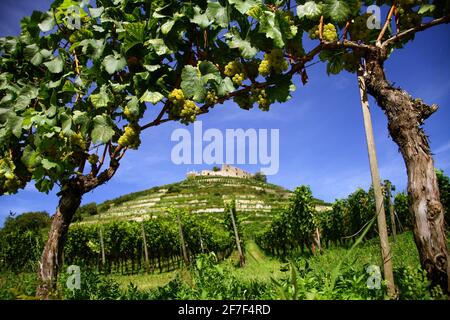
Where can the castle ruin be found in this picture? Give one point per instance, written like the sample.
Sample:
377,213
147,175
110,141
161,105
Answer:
225,171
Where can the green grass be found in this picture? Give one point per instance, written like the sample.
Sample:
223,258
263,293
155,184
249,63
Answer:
146,281
404,253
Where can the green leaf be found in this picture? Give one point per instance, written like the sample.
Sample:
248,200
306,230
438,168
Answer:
47,24
191,84
152,68
96,12
7,168
101,99
244,5
225,86
200,19
48,165
209,71
133,105
236,42
159,46
310,10
114,63
14,123
66,124
30,157
270,28
93,48
152,97
134,34
21,103
167,26
338,10
102,131
426,8
55,65
281,91
81,119
218,14
30,51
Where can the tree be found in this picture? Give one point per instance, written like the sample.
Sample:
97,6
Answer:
259,176
73,95
358,44
216,169
21,240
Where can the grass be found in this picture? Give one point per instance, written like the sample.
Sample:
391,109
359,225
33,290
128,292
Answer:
404,253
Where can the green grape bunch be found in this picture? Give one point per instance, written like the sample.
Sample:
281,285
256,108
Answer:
273,62
189,112
330,33
8,179
260,96
183,108
235,70
130,137
211,98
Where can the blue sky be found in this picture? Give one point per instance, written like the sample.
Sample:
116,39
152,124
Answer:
322,141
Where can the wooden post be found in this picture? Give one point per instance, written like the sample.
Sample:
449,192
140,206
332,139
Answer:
102,246
238,241
381,216
391,210
144,240
183,244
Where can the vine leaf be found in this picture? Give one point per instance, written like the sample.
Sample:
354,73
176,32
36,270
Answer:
103,131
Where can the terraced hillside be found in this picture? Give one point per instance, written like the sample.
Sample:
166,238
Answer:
256,201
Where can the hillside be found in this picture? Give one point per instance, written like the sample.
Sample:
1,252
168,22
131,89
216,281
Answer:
256,201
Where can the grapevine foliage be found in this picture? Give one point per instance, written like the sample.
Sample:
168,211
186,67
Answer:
73,95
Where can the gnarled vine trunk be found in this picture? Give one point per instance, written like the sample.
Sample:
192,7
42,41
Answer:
405,117
51,259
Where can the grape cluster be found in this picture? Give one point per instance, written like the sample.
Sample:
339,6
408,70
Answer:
288,18
314,33
9,182
235,70
211,98
78,140
186,109
130,137
329,33
189,112
273,62
260,96
176,96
